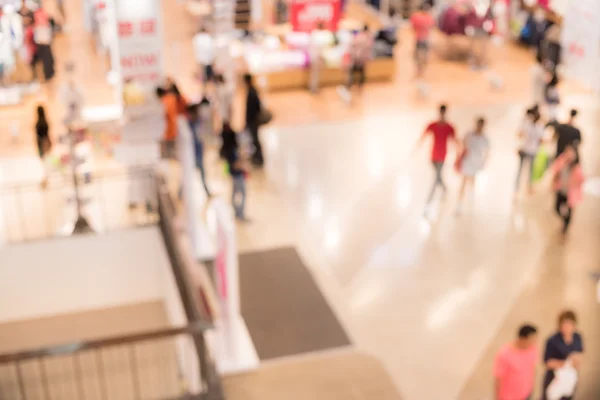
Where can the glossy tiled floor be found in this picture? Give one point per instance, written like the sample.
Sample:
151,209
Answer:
426,296
430,297
340,374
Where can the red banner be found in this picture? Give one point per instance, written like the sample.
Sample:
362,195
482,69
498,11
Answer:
306,14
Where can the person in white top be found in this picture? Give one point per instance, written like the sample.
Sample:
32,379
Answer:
320,38
475,153
531,135
205,53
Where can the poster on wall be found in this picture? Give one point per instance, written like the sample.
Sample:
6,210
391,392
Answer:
141,63
306,14
580,42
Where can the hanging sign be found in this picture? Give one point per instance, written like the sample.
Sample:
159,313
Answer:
140,42
305,15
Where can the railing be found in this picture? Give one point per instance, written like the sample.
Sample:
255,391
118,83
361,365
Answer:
144,366
193,306
168,364
110,201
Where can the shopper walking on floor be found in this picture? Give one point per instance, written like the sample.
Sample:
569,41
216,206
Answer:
42,130
253,110
551,47
360,51
515,365
441,131
538,81
224,98
204,53
422,23
552,98
531,136
170,108
195,123
474,156
42,133
319,38
230,152
567,182
562,357
567,134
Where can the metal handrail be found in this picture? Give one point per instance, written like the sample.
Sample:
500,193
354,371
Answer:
189,295
58,180
198,323
49,205
76,347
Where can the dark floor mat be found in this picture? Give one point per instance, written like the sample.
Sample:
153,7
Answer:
284,309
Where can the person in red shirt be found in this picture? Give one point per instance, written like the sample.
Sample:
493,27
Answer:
514,366
422,23
442,131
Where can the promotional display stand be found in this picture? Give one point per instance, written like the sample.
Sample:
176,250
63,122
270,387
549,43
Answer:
194,196
230,342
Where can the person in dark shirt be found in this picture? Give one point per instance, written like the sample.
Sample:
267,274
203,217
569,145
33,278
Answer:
231,154
253,109
42,132
564,346
567,134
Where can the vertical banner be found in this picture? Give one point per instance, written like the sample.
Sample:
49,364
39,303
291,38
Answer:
581,42
141,64
230,341
306,14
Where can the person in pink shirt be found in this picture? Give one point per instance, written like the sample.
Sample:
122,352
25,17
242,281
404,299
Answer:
514,366
422,23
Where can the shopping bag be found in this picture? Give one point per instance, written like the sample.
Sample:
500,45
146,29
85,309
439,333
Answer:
564,383
540,165
265,116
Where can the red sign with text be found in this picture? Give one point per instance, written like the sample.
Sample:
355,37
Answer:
305,15
140,49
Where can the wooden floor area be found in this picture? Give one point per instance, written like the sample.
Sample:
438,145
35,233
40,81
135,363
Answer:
339,375
89,325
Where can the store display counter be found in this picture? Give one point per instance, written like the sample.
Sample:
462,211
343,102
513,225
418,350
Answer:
381,69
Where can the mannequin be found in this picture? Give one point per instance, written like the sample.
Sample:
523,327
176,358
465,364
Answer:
13,23
71,96
11,39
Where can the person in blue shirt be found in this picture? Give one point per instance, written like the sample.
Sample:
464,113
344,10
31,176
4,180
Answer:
230,152
564,346
195,121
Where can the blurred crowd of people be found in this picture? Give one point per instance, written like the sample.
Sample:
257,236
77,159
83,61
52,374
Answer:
535,138
212,118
